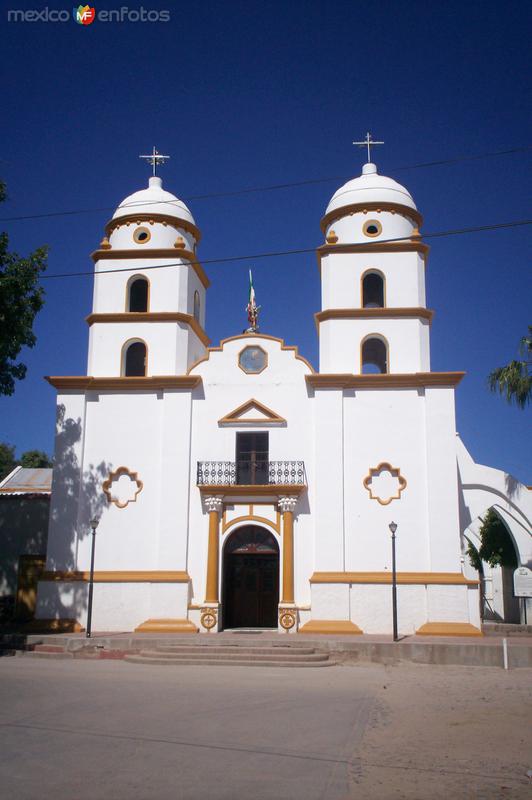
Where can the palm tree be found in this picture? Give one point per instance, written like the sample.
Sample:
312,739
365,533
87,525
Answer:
515,379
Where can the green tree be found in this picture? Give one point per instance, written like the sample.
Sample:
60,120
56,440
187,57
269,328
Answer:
515,379
496,547
8,461
33,459
21,298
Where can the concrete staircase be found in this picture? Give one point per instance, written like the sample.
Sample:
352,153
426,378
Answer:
232,655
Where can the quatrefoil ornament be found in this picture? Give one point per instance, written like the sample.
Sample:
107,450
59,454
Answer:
122,487
384,483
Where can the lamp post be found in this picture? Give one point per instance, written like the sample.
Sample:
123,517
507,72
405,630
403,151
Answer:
393,527
94,524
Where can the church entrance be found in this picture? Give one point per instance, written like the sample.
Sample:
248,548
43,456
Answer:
250,579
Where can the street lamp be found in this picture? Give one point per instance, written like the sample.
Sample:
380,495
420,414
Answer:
393,527
94,524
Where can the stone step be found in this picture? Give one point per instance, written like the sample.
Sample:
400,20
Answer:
47,654
183,661
506,629
49,648
279,650
232,656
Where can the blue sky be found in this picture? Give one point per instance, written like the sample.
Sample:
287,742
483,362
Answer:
252,94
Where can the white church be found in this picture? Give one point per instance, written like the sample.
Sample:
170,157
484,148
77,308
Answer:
238,486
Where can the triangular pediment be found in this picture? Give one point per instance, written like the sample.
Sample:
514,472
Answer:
252,413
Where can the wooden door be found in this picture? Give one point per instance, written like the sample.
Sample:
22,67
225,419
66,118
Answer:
250,579
30,568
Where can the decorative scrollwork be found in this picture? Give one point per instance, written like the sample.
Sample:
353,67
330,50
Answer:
234,473
287,618
208,618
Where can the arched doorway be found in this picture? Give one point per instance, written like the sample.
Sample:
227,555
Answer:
250,579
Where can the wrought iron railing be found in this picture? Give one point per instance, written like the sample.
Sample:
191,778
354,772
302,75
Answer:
251,473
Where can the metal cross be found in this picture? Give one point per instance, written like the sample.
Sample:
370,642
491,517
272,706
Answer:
154,159
368,142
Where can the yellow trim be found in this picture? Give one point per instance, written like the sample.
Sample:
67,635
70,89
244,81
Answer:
330,626
220,348
138,231
251,517
288,558
409,578
394,208
131,280
369,222
448,629
261,490
211,585
372,313
186,256
153,382
407,380
394,471
117,473
115,576
246,371
167,626
151,316
233,417
174,222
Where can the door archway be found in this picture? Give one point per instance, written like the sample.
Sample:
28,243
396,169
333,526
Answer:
250,579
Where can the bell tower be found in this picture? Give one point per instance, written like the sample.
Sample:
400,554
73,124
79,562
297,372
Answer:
373,316
148,312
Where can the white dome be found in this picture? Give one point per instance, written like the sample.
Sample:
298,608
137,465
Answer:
370,187
154,200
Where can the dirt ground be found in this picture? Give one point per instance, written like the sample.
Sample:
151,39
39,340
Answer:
445,732
76,730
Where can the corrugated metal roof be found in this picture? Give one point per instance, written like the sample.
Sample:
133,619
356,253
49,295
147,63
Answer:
27,481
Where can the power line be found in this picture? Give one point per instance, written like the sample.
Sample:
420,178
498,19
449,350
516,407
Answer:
270,188
277,253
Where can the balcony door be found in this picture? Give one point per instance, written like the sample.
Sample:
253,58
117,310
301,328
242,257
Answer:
252,458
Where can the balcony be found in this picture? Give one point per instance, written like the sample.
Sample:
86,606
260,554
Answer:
251,477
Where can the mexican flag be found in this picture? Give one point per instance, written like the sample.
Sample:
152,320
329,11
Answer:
252,304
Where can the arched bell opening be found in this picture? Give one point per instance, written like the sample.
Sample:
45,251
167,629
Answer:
138,294
373,290
250,579
134,359
374,357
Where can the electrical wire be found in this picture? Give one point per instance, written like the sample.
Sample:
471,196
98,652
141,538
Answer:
270,188
277,253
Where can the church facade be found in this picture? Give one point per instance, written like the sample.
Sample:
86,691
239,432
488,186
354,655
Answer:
236,486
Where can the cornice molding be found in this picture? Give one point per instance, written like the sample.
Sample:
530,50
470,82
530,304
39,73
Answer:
121,576
407,380
152,316
136,219
402,246
151,383
187,256
372,313
394,208
261,490
412,578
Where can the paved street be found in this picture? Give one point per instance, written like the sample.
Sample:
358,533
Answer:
74,730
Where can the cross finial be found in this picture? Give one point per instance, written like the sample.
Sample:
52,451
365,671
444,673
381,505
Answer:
155,158
368,142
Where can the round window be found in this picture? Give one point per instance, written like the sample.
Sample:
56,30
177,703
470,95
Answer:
372,228
141,235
